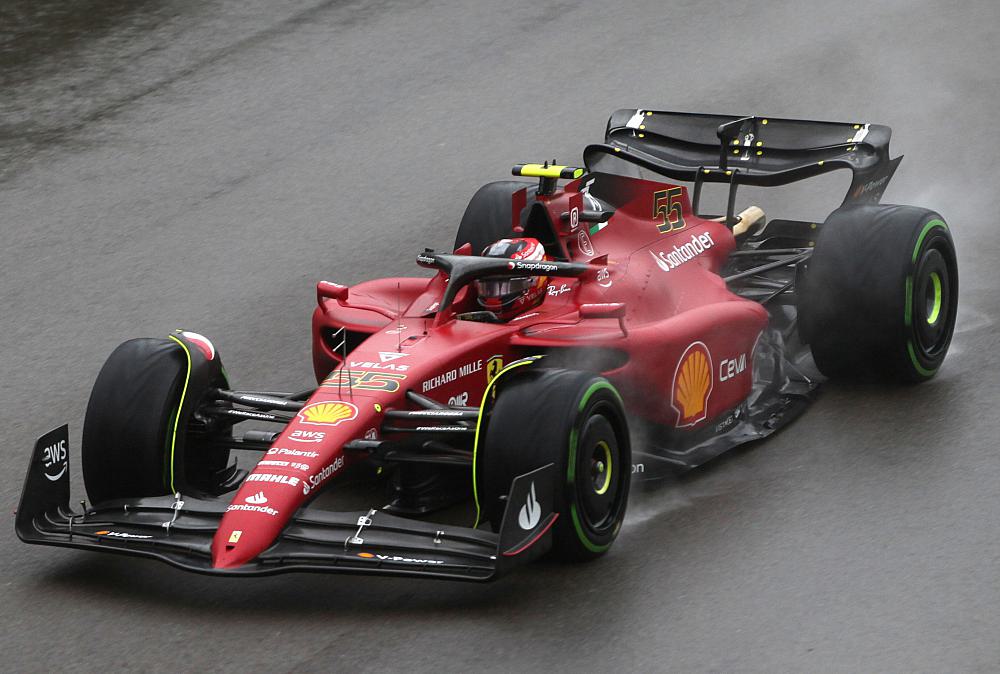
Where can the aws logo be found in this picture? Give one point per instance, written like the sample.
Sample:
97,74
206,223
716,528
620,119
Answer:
692,385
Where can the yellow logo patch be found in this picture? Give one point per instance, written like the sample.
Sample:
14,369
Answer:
493,367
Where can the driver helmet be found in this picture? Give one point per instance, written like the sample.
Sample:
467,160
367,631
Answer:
507,297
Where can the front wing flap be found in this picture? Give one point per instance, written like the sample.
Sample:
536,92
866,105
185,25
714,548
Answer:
179,530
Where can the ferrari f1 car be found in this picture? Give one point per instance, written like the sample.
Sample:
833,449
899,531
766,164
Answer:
650,336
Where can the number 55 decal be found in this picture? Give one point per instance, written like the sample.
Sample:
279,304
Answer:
667,212
365,380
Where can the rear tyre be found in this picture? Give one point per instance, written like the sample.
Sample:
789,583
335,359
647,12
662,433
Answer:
128,432
488,216
576,421
880,296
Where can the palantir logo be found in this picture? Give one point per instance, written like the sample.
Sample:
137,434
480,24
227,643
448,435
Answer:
257,499
531,511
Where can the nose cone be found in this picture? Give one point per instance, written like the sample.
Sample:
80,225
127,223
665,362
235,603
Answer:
306,455
255,518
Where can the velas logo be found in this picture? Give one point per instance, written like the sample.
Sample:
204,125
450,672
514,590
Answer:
386,356
692,385
327,414
371,365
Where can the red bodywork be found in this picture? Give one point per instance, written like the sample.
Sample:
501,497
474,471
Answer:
681,356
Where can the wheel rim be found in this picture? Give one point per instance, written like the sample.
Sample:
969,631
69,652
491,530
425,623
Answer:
601,465
598,481
932,303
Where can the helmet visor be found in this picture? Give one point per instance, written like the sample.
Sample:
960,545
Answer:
503,289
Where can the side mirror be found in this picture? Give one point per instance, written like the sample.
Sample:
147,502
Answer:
331,291
605,310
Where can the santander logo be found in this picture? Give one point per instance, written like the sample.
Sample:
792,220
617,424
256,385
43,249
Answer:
256,499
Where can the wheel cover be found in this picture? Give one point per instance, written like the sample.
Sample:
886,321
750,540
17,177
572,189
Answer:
601,467
598,475
931,304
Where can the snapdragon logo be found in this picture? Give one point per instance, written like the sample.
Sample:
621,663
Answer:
667,260
531,266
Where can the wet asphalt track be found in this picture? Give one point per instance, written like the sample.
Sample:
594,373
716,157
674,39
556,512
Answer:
203,163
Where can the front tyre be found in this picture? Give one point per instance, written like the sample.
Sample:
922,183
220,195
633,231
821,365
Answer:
576,421
880,296
137,438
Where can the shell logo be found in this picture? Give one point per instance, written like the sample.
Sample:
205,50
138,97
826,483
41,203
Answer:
692,385
327,413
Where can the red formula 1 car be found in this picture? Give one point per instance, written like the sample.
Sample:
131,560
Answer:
609,331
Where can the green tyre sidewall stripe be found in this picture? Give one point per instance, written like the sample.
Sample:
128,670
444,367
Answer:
908,307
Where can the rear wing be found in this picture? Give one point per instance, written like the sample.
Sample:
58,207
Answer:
761,151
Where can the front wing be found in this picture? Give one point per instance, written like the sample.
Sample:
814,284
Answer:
179,530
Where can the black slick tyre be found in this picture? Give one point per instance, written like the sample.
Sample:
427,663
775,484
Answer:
131,430
488,216
576,421
880,295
